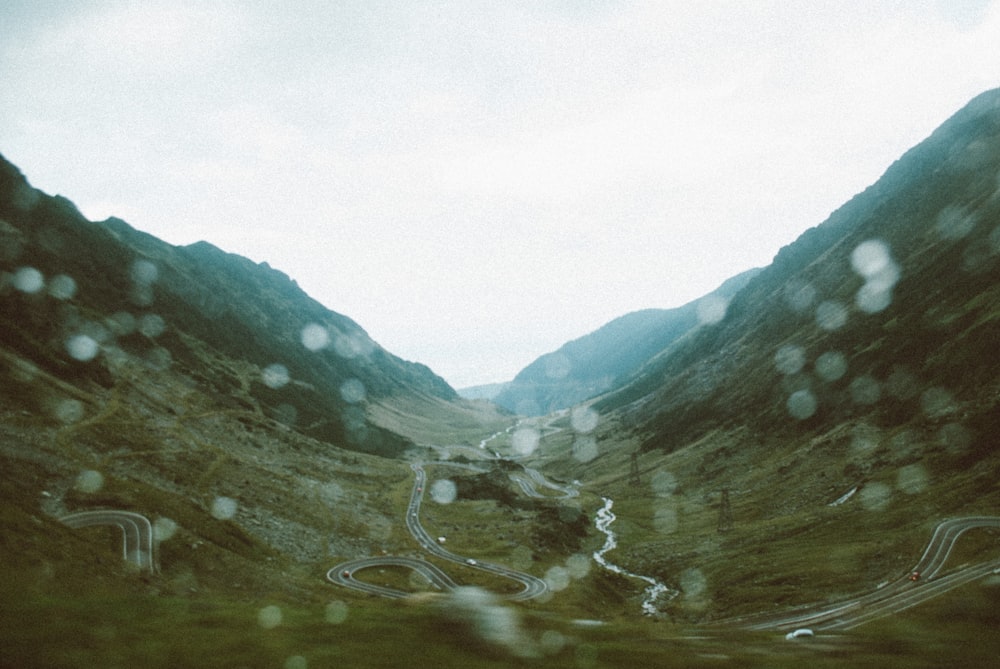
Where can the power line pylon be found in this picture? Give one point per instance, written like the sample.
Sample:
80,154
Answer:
725,513
633,477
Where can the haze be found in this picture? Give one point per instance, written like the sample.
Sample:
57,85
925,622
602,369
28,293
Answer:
477,183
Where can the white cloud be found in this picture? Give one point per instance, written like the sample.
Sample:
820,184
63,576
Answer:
477,183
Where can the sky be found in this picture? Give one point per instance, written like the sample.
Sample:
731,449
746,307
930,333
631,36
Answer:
476,183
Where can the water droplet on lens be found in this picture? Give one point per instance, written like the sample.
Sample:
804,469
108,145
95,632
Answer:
711,309
82,347
121,323
296,662
831,315
557,578
28,280
870,257
790,359
585,448
584,419
315,337
62,287
336,612
524,441
275,376
864,438
875,496
163,529
269,617
693,583
873,298
954,222
68,411
89,481
799,295
552,642
444,491
665,520
955,437
802,404
831,366
912,479
224,508
865,390
152,325
144,272
663,483
578,565
352,391
937,402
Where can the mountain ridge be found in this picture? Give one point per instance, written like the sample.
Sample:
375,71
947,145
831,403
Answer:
597,362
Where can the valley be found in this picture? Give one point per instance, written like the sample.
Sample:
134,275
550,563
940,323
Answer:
314,500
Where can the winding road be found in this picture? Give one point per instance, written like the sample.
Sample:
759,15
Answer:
921,584
345,572
137,533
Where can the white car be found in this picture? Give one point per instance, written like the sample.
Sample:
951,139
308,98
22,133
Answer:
805,631
471,561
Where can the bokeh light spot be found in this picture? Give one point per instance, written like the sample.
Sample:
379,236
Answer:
269,617
831,366
585,448
164,528
224,508
352,391
28,280
790,359
937,402
875,496
82,347
336,612
912,479
525,440
865,390
711,309
801,404
584,419
62,287
831,315
444,491
89,481
275,376
315,337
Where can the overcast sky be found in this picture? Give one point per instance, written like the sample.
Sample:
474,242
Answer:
476,183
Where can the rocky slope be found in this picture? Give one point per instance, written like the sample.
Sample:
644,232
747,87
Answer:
85,299
887,310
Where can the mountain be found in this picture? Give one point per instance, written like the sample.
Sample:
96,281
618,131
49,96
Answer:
486,391
800,447
807,445
598,362
888,310
99,300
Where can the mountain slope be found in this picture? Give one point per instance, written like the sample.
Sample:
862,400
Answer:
243,332
597,362
893,297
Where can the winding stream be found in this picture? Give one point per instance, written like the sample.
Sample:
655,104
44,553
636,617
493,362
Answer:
655,589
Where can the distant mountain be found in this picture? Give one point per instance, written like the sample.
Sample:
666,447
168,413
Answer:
486,391
887,312
96,300
601,360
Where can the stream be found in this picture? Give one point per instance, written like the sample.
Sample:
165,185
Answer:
655,589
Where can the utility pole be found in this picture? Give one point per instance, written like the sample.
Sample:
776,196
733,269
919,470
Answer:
633,478
725,513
